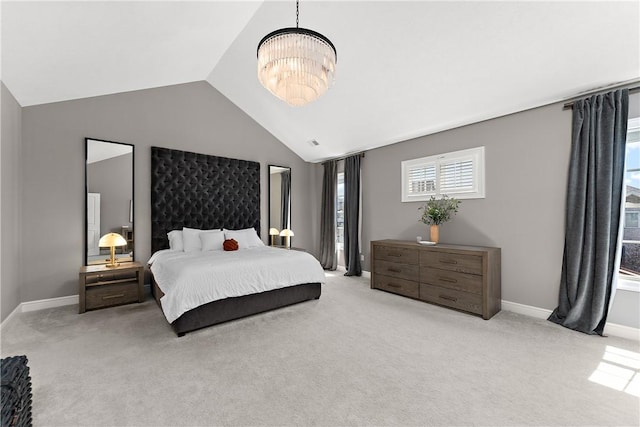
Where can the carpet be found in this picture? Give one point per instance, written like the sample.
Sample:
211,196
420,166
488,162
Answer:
356,356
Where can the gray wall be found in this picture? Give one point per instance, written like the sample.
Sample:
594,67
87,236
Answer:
11,187
192,117
112,179
527,158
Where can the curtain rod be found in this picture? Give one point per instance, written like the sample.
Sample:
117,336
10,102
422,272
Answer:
337,159
569,105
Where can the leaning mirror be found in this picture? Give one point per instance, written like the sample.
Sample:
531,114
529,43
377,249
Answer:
279,201
108,199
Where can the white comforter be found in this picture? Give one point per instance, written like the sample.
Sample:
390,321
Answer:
191,279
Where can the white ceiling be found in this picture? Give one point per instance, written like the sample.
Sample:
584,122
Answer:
405,69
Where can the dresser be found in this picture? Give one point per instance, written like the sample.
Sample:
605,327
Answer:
465,278
101,286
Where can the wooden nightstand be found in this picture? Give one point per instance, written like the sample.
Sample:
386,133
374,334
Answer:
101,286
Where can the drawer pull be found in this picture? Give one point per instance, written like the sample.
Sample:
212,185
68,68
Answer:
394,270
447,279
395,254
113,296
393,285
448,298
448,261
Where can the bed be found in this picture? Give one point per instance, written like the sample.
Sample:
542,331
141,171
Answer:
206,193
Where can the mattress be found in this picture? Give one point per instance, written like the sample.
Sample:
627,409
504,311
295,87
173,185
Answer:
191,279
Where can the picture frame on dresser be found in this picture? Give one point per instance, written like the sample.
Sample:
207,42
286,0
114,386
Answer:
465,278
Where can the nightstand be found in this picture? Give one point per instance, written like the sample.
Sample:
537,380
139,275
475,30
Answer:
101,286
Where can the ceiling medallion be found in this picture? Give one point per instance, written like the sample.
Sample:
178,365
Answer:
296,65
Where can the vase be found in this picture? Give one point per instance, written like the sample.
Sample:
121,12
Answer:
434,233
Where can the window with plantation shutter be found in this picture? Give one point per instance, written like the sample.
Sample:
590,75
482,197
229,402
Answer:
459,174
422,179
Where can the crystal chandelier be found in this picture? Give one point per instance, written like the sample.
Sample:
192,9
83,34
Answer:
297,65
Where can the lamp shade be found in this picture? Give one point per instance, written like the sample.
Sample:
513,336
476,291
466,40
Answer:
274,232
287,233
111,239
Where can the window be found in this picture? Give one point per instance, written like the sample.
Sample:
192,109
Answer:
629,277
631,219
459,174
340,214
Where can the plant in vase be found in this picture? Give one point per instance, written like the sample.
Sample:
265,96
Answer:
436,212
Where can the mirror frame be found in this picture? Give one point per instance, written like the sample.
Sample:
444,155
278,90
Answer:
132,206
269,199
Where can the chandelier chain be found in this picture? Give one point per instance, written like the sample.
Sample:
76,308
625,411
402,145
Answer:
297,12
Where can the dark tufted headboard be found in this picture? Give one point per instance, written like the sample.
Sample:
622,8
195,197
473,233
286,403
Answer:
200,191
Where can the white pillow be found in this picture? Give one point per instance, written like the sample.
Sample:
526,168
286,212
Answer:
212,240
191,239
246,238
175,240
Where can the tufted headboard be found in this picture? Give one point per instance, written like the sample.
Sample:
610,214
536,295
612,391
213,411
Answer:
201,191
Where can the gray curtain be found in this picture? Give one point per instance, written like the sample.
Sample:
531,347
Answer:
285,198
328,258
352,215
594,202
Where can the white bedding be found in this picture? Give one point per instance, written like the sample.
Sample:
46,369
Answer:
191,279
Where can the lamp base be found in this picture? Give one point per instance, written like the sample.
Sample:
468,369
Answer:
112,261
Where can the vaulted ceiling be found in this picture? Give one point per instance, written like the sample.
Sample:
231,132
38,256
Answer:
405,69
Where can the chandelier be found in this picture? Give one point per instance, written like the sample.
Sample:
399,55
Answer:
296,65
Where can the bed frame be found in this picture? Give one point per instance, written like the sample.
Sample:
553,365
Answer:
208,192
227,309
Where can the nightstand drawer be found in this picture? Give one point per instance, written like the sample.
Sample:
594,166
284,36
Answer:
391,254
451,298
452,279
109,295
397,286
451,261
401,271
107,277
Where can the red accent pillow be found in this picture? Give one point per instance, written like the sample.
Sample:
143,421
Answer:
230,245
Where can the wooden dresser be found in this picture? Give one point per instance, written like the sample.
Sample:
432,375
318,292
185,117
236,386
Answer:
462,277
101,286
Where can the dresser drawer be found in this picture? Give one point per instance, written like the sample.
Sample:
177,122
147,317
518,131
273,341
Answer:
392,254
470,264
108,295
451,298
452,280
401,271
397,286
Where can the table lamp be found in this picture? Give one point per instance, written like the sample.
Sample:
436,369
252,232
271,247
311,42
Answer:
273,232
286,233
111,240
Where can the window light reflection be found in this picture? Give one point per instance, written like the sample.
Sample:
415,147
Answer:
619,370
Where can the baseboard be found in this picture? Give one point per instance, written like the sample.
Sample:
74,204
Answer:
612,329
366,274
49,303
527,310
622,331
11,315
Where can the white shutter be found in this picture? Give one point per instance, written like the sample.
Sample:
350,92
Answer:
422,180
456,176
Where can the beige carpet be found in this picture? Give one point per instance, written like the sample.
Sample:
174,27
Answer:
354,357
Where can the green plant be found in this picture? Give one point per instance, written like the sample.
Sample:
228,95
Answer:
437,211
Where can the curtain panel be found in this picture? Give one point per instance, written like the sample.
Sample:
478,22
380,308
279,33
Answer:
328,258
352,215
593,211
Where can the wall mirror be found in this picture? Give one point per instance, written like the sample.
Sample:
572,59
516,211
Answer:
108,199
279,199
